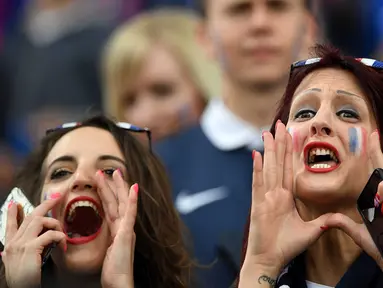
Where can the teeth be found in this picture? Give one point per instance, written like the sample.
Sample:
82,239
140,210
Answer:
321,151
320,166
80,204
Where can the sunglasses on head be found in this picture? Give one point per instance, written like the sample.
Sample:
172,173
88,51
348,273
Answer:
375,64
123,125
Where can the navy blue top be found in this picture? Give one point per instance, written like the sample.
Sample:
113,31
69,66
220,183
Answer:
363,273
219,185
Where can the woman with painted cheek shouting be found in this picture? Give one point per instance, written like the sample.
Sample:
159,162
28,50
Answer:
104,198
305,229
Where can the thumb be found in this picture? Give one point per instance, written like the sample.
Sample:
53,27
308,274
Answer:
347,225
318,226
358,233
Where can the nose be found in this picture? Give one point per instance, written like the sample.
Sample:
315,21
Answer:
260,21
320,127
83,181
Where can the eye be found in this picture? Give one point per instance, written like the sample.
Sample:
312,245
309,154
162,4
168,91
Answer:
304,114
109,172
240,8
59,173
350,114
278,5
162,90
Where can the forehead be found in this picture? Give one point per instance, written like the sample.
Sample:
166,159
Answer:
160,63
220,3
330,79
86,142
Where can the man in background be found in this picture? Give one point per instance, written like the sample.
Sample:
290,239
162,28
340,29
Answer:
210,165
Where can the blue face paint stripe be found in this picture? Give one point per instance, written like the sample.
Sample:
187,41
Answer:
353,139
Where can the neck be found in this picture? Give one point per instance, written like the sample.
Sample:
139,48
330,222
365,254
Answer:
328,259
67,279
255,104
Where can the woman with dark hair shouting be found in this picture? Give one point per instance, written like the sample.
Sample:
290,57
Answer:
103,197
305,229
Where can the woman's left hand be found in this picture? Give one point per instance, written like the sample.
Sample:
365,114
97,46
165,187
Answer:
120,207
358,232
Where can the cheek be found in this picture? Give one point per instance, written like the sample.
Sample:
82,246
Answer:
298,137
357,141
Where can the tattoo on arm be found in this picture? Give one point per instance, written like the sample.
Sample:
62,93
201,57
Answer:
267,279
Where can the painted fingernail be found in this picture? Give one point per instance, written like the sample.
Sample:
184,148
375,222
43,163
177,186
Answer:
10,204
324,228
119,171
55,196
377,200
135,188
253,154
100,173
263,136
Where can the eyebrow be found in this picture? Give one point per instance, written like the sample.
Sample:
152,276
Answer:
69,158
341,92
347,93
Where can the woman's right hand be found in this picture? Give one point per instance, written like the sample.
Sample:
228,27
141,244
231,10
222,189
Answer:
24,245
277,233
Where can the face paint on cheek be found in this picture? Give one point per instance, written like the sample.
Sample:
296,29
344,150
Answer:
295,136
50,212
357,141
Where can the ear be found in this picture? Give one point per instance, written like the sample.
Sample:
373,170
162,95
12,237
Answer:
205,38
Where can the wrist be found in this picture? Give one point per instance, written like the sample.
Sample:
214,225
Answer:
262,275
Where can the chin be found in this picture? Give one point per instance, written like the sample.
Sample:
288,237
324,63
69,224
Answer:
82,260
266,74
86,258
322,188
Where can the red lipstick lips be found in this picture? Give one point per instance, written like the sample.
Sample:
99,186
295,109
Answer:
323,149
94,205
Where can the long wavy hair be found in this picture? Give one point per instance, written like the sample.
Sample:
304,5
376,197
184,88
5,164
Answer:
161,258
369,79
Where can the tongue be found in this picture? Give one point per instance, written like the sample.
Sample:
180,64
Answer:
84,223
75,235
331,163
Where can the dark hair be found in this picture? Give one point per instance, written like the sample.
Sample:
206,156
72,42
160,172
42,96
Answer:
160,258
201,6
369,79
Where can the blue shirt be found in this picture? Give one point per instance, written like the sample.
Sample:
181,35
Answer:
211,176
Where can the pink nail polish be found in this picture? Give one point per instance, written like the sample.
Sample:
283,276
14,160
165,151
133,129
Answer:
263,136
10,204
55,196
135,188
253,154
119,171
324,228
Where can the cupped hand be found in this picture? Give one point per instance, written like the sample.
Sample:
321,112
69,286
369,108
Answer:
120,207
359,232
277,233
24,245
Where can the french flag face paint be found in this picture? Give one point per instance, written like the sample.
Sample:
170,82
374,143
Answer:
49,214
295,135
357,140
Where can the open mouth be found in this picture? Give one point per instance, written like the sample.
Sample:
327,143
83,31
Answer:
83,220
321,157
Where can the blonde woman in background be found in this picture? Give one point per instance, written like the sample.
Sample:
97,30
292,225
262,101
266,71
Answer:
155,74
